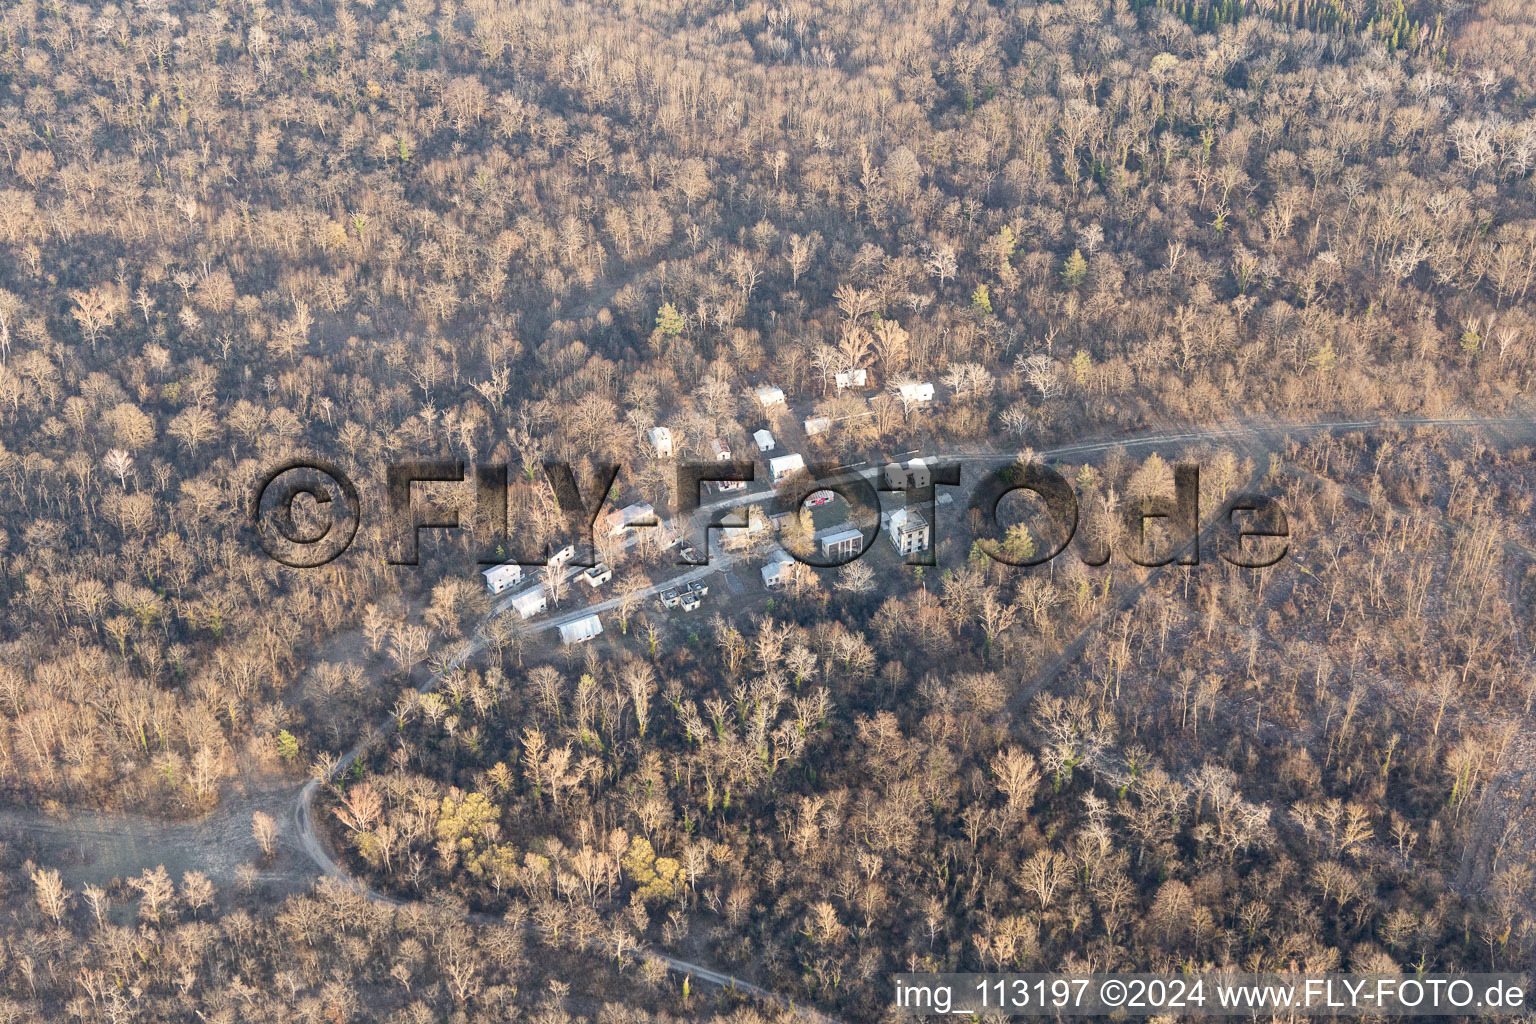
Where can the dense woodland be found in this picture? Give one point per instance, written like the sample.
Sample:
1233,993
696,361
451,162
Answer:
235,233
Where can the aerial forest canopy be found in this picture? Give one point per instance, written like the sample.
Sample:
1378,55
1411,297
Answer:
1292,239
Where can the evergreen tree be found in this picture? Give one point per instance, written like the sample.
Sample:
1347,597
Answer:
669,321
1075,272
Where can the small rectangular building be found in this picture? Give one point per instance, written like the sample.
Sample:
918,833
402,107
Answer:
661,440
842,542
770,397
817,425
785,465
855,378
723,454
530,602
909,531
629,517
765,441
777,570
500,577
561,556
916,393
582,630
755,523
597,575
913,474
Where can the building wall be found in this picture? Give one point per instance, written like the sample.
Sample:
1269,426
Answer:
908,541
844,548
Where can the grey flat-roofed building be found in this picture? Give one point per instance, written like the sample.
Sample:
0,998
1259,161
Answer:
582,630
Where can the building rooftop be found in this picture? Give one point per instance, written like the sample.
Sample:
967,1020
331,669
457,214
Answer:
904,519
528,598
582,629
786,464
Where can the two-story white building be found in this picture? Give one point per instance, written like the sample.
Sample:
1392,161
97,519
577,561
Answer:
498,578
913,474
909,531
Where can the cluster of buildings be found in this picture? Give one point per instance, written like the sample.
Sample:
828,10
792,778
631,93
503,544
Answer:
688,597
907,528
535,599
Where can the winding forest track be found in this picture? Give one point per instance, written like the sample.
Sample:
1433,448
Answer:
212,841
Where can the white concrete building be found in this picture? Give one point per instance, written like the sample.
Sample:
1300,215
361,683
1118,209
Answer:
777,570
582,630
916,393
661,440
561,556
909,531
913,474
855,378
530,602
817,425
499,577
765,441
785,465
597,575
841,542
770,397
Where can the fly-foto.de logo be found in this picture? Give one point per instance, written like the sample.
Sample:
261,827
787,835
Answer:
1249,530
